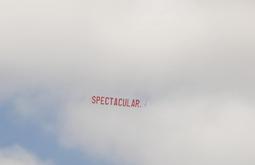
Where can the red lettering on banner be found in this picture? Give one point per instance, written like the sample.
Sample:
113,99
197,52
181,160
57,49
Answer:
98,99
137,103
93,99
102,100
115,101
106,100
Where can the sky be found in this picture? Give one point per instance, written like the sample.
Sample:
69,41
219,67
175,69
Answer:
191,61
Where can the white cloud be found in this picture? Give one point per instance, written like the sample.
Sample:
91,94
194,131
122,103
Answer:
201,130
194,62
18,156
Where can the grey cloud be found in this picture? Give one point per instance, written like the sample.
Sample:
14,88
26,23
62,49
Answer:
193,60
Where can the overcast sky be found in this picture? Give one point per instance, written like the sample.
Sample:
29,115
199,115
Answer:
191,61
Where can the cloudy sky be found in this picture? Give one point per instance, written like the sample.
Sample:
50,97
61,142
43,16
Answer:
191,61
